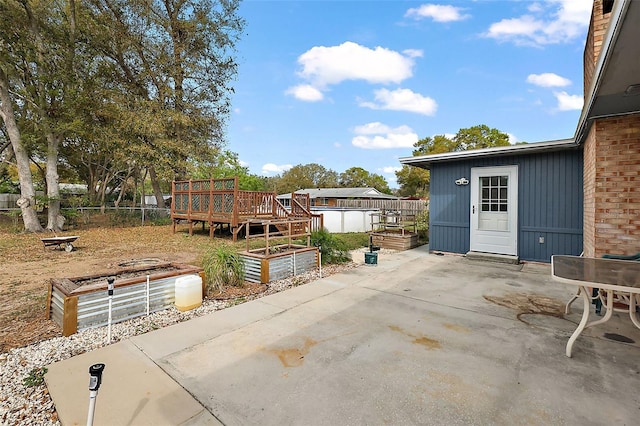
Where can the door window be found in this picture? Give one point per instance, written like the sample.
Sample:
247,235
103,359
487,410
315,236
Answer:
493,194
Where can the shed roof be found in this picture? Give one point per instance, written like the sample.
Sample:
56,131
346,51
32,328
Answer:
341,193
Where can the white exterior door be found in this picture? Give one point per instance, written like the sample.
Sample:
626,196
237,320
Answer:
494,210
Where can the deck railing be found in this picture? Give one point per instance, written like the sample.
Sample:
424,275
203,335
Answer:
219,200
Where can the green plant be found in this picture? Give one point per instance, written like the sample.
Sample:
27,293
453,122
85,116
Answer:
35,377
222,267
333,250
422,225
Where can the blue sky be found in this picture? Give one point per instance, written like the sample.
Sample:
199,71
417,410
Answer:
356,83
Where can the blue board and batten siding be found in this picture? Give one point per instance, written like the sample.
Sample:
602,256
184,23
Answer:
549,204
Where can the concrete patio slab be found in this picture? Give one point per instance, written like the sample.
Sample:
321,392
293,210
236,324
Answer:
134,391
416,339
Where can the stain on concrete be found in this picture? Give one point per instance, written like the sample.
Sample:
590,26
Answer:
457,327
426,342
527,303
293,357
618,338
418,339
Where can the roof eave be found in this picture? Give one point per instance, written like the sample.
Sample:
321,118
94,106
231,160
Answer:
615,25
426,160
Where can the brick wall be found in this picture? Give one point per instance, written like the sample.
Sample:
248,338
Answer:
589,182
595,36
614,196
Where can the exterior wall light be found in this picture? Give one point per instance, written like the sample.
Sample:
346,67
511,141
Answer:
462,181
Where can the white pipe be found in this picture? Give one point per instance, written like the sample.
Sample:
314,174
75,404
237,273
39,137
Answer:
320,256
92,406
147,295
109,322
294,263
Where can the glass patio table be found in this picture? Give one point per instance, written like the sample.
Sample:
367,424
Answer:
614,278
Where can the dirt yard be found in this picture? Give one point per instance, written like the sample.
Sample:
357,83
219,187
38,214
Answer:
26,268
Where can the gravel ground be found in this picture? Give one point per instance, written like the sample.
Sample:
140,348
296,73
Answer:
31,405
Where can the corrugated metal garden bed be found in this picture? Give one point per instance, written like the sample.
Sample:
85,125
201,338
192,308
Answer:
278,262
80,303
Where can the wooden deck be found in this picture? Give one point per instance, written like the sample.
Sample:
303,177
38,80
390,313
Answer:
219,202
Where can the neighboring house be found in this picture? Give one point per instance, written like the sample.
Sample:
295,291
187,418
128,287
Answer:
559,197
327,197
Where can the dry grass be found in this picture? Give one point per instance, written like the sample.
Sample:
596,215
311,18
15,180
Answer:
27,267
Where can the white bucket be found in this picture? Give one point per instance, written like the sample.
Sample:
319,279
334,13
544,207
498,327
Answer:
188,292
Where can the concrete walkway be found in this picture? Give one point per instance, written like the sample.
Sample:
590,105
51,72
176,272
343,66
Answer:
417,339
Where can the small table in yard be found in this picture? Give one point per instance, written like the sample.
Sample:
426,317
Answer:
64,243
614,278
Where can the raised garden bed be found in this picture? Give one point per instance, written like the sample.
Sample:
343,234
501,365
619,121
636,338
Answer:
278,262
80,303
395,239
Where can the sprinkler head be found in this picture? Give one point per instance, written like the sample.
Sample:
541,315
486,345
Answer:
95,379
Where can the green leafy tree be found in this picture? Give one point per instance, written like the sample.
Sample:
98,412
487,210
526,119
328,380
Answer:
173,61
305,176
414,181
37,57
478,137
357,177
227,165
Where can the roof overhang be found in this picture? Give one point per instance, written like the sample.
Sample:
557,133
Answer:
615,87
425,161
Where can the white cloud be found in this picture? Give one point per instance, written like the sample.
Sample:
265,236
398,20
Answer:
373,128
513,139
236,110
549,22
413,53
535,7
271,168
337,145
380,136
305,92
391,169
402,100
548,79
437,12
243,163
323,66
567,102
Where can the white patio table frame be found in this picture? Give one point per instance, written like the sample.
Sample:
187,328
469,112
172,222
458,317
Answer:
614,278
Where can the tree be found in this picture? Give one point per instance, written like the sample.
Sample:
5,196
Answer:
305,176
357,177
27,191
173,60
226,165
114,88
414,181
478,137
